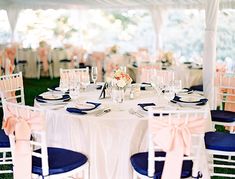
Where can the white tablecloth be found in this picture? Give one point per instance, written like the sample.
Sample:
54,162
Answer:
188,77
109,140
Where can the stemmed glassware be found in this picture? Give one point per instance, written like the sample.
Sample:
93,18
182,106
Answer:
84,79
177,85
123,68
74,89
94,74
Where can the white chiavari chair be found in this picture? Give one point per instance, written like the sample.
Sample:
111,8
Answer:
170,133
26,128
20,63
70,76
12,89
221,150
42,63
224,101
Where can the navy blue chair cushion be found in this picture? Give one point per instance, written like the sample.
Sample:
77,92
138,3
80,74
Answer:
222,116
59,160
20,62
197,88
4,140
220,141
139,162
65,60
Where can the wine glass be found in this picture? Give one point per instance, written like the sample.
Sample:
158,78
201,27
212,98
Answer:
177,85
169,93
94,74
123,68
74,89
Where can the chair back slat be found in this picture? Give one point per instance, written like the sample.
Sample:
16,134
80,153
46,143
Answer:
225,91
68,76
150,73
12,87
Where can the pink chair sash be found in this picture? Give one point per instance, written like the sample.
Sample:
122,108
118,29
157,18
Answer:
43,55
221,67
22,126
174,137
98,57
11,54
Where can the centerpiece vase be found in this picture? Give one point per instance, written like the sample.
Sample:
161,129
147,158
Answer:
118,95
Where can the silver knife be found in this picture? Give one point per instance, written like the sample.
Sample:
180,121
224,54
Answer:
103,112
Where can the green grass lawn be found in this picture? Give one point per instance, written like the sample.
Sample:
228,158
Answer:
33,87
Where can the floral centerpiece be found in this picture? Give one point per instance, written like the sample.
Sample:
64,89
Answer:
121,79
166,57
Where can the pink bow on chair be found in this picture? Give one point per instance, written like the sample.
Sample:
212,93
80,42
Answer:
22,126
43,54
10,54
174,137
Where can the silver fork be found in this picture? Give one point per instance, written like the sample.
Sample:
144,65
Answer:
132,111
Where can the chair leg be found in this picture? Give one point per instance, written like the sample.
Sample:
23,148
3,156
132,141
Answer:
39,69
134,175
86,172
50,71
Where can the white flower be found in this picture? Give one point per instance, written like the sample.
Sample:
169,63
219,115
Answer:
121,83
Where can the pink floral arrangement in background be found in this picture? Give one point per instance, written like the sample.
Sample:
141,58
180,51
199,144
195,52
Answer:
166,57
121,79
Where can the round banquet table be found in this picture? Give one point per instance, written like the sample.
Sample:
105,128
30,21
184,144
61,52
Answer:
188,76
108,140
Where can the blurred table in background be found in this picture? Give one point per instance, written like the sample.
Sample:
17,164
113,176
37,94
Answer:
188,76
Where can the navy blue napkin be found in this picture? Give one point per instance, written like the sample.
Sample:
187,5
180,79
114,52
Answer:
193,67
187,63
143,105
200,102
99,87
186,90
82,111
64,98
57,90
144,87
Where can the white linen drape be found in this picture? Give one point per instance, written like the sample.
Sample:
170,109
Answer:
158,16
212,8
12,13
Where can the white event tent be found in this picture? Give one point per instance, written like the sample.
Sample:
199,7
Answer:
157,9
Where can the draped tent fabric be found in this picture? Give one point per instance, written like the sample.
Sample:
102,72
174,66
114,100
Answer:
12,13
209,59
55,4
211,6
158,16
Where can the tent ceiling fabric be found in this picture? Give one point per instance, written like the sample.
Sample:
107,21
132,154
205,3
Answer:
46,4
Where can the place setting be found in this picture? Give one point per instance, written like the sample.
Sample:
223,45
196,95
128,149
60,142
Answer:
52,98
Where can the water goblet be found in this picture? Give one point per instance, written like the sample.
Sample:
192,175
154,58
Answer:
74,89
177,85
94,74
